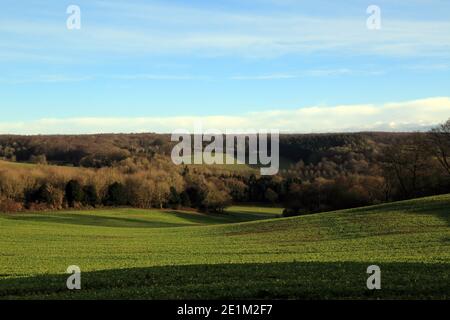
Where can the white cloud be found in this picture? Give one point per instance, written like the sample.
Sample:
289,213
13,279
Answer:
306,73
141,29
147,76
429,67
275,76
398,116
48,78
61,78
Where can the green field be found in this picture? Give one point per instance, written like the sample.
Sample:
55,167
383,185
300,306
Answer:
247,253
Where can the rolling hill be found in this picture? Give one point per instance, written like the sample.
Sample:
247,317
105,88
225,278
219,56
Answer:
142,254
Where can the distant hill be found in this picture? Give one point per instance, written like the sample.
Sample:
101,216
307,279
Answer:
103,150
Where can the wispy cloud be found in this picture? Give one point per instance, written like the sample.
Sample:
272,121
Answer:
429,67
136,29
48,78
397,116
275,76
156,77
310,73
62,78
330,72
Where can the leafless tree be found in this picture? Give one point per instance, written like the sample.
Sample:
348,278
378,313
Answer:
439,138
404,163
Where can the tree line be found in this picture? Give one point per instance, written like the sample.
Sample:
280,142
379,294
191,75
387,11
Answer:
323,172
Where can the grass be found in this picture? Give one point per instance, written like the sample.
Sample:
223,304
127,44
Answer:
229,164
138,218
11,164
128,253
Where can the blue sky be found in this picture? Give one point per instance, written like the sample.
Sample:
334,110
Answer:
134,61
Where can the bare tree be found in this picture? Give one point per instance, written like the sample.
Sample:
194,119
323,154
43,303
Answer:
439,138
404,164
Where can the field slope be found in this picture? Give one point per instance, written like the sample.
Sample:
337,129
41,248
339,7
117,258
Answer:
144,254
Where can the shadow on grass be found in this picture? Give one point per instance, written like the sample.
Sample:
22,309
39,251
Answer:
95,220
296,280
226,217
187,218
